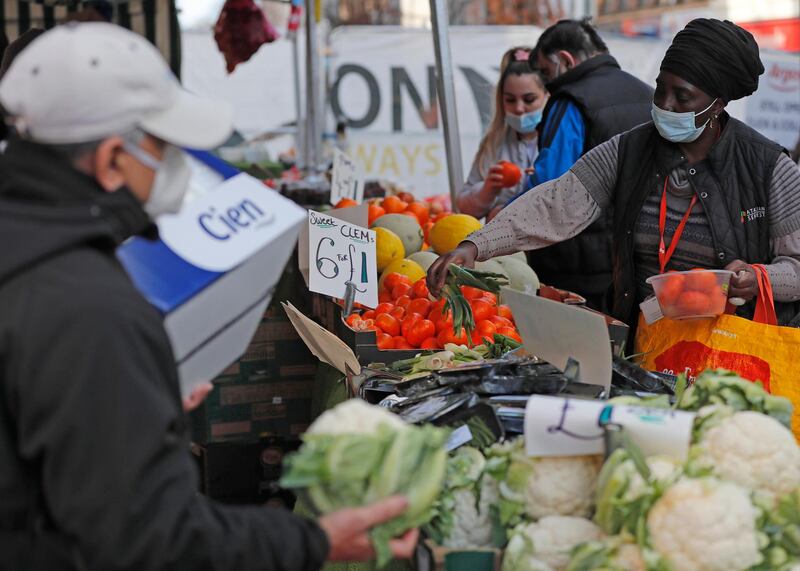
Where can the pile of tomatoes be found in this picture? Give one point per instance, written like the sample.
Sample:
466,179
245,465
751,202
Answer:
406,318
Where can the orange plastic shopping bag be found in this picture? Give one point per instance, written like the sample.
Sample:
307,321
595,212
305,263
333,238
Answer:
757,350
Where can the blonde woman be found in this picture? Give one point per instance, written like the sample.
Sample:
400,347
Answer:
520,98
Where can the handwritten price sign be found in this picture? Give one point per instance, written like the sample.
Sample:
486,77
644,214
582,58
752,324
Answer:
346,180
340,252
556,426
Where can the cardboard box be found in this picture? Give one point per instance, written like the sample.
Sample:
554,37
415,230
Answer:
215,268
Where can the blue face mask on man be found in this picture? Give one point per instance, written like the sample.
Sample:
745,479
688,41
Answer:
678,127
526,123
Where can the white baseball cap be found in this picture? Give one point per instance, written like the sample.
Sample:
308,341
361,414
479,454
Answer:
84,82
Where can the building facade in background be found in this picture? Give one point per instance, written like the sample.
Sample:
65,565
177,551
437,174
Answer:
774,23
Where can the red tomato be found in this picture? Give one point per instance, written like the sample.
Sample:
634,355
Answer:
384,297
420,289
671,289
438,305
383,308
700,280
420,305
472,292
406,196
511,174
400,290
501,321
366,325
409,321
505,311
398,313
352,320
426,230
447,335
490,297
346,203
369,314
388,324
393,279
482,309
486,328
403,302
401,343
445,322
695,303
420,331
385,341
430,343
509,332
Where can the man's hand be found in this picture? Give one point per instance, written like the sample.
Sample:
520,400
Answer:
464,254
744,283
199,394
347,531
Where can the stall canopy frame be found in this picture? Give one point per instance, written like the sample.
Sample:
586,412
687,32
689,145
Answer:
156,20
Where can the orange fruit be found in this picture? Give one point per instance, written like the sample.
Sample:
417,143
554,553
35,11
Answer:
426,228
393,205
374,213
346,203
419,210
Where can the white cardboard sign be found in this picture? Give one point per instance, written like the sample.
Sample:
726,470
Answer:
346,181
556,426
557,332
340,252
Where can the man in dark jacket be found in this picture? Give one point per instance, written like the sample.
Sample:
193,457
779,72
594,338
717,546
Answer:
95,471
591,100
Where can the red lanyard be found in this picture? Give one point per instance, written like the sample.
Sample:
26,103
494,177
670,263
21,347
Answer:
664,253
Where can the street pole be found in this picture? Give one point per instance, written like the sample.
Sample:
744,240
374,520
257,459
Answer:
447,96
312,133
299,143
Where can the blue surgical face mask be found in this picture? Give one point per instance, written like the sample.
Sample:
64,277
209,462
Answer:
526,123
678,127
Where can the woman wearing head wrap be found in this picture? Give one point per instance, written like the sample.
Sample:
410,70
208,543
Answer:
738,192
520,98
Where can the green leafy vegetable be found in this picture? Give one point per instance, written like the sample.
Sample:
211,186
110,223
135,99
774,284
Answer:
338,470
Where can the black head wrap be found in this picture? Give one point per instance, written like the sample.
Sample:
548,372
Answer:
716,56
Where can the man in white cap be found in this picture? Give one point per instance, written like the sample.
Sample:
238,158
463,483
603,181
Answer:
95,471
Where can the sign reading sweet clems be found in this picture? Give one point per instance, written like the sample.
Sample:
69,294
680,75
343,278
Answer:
340,252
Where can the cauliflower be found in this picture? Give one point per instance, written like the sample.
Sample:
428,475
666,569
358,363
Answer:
754,451
473,524
463,517
705,525
539,487
355,416
615,553
546,544
624,495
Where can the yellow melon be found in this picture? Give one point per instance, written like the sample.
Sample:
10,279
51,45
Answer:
388,247
448,232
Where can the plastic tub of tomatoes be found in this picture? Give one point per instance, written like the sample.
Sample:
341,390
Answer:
694,294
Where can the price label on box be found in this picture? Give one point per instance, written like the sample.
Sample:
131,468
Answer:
341,252
346,181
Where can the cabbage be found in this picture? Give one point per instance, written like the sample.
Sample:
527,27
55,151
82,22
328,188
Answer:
335,470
